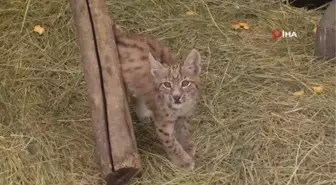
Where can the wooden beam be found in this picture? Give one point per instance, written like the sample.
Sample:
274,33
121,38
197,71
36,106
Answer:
325,46
112,125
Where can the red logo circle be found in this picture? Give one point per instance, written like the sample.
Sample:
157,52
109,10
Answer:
276,34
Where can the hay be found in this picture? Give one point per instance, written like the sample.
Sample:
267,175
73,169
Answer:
249,127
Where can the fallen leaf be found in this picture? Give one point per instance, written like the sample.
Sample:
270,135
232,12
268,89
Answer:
317,89
244,25
190,13
315,28
236,26
240,25
298,93
39,29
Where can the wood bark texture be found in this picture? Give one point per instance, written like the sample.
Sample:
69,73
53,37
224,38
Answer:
112,125
326,34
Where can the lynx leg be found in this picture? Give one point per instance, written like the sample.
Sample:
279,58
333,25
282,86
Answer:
182,128
175,151
143,113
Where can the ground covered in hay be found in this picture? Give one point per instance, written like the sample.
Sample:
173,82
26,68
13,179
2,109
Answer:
249,127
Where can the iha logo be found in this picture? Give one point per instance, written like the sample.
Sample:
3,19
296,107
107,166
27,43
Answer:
278,34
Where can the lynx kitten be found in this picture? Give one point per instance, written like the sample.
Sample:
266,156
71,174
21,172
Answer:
164,91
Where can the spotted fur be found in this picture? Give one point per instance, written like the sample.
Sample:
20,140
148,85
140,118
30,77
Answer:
164,91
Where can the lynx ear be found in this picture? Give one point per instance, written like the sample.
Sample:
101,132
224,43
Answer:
192,63
156,66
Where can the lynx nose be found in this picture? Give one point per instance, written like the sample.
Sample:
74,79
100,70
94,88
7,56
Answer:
176,97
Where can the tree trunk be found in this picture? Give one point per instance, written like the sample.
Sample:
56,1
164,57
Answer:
112,125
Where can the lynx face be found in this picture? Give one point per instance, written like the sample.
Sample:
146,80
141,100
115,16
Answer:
178,85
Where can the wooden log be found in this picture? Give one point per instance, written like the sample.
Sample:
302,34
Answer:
93,83
112,125
326,34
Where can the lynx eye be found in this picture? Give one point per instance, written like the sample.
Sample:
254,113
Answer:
185,83
167,85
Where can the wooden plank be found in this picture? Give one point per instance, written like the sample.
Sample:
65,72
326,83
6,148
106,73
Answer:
326,34
93,83
112,124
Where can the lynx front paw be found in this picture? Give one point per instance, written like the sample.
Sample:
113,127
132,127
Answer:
191,149
146,117
144,114
186,162
190,165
